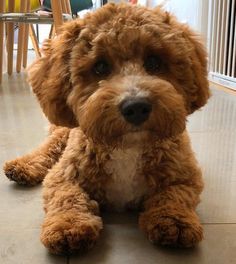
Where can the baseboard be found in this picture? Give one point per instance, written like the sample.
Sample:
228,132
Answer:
222,87
223,80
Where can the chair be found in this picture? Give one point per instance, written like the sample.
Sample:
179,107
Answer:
61,11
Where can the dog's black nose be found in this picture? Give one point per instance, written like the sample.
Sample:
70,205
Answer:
135,110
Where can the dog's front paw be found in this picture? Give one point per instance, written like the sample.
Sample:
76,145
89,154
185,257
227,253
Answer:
168,231
22,173
173,230
68,232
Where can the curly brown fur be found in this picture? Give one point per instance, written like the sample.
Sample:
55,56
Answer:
33,167
113,56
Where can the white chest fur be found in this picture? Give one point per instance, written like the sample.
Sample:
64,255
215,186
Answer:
127,184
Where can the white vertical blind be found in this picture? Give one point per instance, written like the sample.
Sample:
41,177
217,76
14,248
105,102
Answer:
231,37
227,10
222,37
222,41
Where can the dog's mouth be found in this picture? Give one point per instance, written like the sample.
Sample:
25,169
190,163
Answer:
137,136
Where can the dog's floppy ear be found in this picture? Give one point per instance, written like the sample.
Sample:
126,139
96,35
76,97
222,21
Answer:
198,90
195,86
49,76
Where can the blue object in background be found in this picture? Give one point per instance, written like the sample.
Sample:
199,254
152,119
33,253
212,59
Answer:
76,5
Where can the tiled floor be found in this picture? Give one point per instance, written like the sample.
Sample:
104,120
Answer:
213,133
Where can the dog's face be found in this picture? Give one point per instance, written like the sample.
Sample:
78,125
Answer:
122,71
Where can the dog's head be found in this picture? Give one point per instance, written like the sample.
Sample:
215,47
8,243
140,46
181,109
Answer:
122,70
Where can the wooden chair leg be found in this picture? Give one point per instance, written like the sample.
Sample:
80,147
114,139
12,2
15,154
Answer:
63,6
57,14
1,49
20,46
52,32
10,46
10,39
2,7
25,46
34,40
68,7
26,38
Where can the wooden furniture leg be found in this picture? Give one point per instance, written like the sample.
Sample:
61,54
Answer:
26,39
68,7
52,32
63,6
57,14
34,40
10,39
20,46
2,8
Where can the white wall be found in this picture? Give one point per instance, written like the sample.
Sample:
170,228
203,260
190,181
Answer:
193,12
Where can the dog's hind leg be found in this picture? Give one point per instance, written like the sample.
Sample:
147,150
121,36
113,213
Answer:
31,169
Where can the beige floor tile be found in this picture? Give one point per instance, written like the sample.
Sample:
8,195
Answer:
217,157
21,130
124,243
22,124
212,132
23,204
218,115
22,246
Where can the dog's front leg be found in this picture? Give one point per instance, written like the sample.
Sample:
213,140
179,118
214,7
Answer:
169,217
31,169
71,222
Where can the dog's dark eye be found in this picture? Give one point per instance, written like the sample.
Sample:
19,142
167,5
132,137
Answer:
152,64
101,68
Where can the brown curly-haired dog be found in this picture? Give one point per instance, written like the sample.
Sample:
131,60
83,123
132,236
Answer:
123,79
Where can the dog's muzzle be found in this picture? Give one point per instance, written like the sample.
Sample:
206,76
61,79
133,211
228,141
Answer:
135,110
